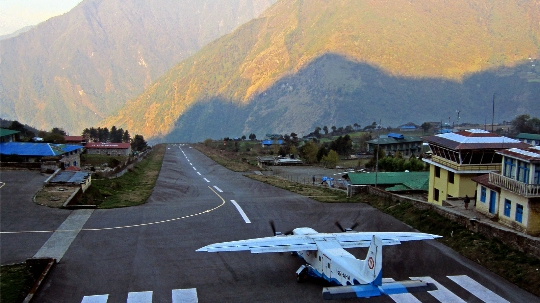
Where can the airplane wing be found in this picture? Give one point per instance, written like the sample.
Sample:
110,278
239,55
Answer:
293,243
363,239
265,245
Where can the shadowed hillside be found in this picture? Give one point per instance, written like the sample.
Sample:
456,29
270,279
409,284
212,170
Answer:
335,91
412,41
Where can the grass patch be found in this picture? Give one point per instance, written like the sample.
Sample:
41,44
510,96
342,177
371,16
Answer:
15,282
133,188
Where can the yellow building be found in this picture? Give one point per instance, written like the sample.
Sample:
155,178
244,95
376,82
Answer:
517,204
459,157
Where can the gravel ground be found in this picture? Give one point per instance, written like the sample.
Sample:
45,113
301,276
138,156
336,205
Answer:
304,174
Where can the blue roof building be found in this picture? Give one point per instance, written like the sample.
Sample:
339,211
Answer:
32,152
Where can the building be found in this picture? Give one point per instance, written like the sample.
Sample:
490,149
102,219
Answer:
392,143
8,135
392,181
75,140
109,149
459,157
532,139
513,193
66,155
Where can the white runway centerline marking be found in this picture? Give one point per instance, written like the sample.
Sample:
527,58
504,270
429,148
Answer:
477,289
198,173
206,180
241,211
218,189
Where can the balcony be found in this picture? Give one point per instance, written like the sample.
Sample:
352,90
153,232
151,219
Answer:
466,167
515,186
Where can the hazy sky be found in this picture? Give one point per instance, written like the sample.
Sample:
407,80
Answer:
16,14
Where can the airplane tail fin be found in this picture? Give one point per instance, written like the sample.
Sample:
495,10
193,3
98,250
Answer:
371,267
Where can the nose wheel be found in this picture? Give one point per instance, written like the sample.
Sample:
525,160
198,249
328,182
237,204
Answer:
302,274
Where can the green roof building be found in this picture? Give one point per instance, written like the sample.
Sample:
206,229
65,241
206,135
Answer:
393,181
393,143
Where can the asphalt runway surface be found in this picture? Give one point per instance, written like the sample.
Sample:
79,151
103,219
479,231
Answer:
148,251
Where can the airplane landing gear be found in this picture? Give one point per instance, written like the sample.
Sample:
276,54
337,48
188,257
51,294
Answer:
302,274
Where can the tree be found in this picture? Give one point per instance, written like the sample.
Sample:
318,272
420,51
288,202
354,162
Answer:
138,143
54,138
334,129
58,131
426,126
126,138
309,152
325,129
252,137
331,159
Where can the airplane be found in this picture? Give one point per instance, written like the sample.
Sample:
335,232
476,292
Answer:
325,257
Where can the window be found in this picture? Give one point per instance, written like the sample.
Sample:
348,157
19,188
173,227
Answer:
451,177
519,213
509,167
482,194
507,207
523,172
436,194
537,175
437,172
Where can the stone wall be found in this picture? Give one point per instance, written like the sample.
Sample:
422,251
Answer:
512,238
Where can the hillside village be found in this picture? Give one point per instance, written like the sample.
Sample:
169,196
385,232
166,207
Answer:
500,175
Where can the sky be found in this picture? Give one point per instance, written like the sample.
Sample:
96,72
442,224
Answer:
16,14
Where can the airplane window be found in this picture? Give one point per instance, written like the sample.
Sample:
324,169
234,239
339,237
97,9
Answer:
328,265
319,258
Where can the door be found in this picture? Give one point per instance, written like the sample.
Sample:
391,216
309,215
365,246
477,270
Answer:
492,201
327,267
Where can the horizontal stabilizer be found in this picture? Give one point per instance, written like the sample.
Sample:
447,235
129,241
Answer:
369,290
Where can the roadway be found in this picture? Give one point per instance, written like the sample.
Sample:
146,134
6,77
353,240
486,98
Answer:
148,251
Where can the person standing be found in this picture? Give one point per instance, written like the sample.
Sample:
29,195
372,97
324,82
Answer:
466,201
313,179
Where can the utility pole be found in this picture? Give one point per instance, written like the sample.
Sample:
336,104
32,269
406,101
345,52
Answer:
377,156
493,113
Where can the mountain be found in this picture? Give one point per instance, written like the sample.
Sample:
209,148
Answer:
76,69
16,33
303,64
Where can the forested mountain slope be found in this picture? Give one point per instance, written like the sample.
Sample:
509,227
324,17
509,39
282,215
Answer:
312,63
76,69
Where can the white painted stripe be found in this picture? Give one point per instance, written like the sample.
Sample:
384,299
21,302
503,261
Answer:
241,211
140,297
194,168
206,180
59,242
190,163
199,173
442,293
402,298
218,189
477,289
95,299
184,295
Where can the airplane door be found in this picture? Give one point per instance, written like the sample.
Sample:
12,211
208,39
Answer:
327,266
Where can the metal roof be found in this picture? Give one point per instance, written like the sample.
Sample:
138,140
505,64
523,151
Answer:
474,139
36,149
7,132
531,154
393,140
75,177
412,180
528,136
93,145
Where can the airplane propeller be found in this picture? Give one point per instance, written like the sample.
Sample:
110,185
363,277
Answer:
278,233
346,229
